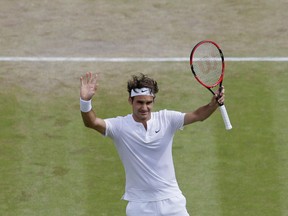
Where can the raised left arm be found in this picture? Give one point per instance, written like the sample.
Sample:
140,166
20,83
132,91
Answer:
205,111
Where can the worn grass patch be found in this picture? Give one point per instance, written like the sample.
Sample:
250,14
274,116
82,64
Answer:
51,165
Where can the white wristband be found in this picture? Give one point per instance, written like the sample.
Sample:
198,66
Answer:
85,106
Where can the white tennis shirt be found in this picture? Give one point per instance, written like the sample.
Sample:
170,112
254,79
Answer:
147,154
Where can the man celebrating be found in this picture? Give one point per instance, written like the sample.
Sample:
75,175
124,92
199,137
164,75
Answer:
144,141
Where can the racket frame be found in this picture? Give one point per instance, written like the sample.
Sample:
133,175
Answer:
219,81
224,113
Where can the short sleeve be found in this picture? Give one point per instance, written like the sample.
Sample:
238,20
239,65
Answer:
113,126
176,119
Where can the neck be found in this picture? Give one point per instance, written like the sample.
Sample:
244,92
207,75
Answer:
143,121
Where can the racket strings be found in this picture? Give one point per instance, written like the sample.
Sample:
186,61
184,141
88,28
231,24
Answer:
207,64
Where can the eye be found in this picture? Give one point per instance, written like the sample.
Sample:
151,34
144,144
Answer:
140,102
149,103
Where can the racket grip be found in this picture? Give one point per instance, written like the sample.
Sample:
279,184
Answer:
225,117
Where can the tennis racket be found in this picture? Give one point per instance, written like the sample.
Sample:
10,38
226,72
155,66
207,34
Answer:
207,65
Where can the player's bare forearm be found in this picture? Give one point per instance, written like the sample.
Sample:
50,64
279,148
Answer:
90,120
200,114
204,112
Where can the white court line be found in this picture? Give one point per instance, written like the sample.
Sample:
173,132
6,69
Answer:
135,59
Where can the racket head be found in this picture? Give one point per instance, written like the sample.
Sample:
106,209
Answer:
207,63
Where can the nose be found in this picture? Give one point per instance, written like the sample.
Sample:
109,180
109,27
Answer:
144,107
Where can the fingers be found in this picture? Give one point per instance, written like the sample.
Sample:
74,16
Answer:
221,99
94,79
84,79
222,90
88,78
88,86
220,96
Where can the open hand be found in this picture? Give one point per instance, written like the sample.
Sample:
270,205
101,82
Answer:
88,86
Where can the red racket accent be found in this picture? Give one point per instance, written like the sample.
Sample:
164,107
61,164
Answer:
207,63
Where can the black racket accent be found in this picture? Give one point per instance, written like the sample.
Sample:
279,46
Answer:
207,65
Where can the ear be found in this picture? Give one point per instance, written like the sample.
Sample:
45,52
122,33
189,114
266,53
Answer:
130,100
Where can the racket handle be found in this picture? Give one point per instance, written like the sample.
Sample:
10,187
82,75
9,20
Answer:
225,117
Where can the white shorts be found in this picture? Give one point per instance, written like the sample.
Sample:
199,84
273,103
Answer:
175,206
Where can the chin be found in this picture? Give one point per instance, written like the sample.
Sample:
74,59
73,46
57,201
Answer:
145,116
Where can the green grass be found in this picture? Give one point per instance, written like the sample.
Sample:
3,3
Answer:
52,165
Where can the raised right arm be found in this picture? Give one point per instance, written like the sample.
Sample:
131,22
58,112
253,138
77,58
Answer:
87,90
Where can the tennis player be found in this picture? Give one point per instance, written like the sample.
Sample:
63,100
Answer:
144,141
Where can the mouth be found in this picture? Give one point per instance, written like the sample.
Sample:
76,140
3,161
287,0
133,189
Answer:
143,116
144,113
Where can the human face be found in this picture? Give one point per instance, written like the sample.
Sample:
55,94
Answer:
142,107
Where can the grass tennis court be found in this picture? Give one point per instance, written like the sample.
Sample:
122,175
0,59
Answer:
51,165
